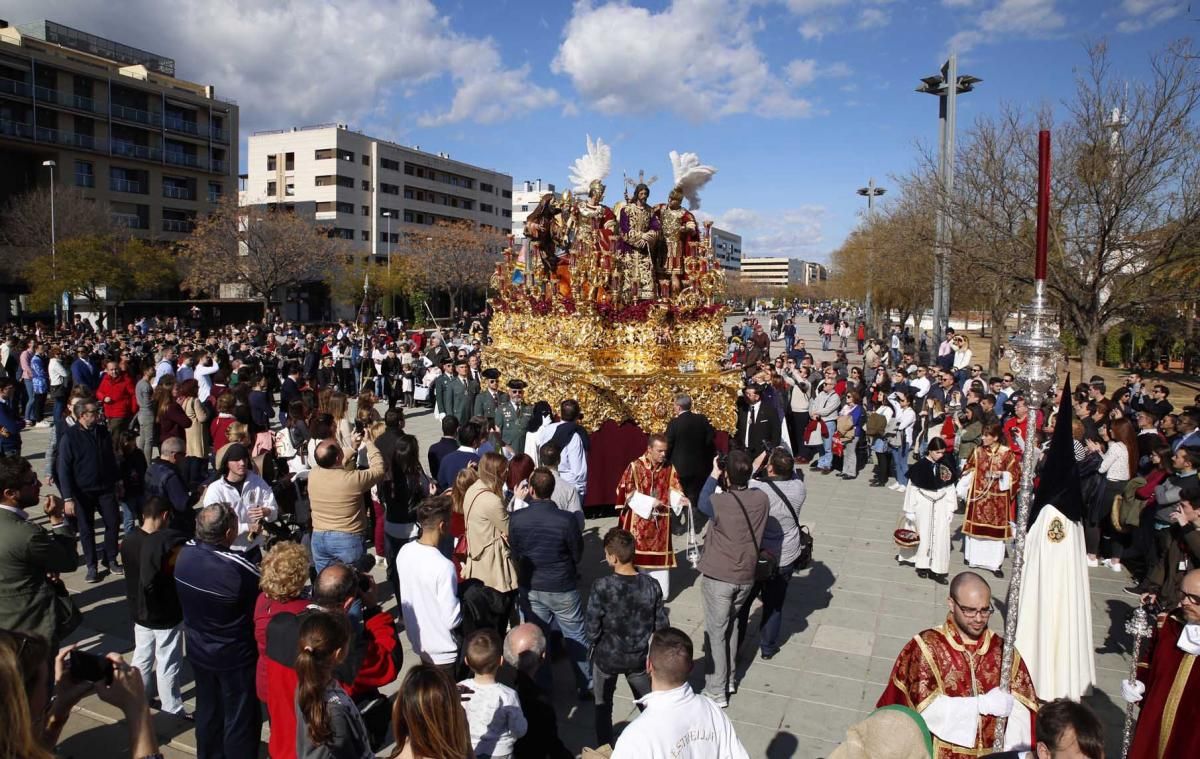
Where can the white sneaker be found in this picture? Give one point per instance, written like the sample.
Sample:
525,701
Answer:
1114,565
1093,562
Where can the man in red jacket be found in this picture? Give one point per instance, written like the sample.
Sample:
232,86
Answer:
373,661
117,393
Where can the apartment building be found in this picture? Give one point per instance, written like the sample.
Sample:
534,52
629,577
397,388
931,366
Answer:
117,124
727,247
525,198
782,272
372,191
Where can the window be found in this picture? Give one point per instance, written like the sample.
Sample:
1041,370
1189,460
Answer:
485,207
523,208
506,193
289,188
85,174
395,213
506,213
270,163
289,162
389,164
345,155
366,236
215,191
272,189
366,160
408,193
342,233
409,217
366,210
485,187
328,180
408,169
390,189
324,153
366,185
345,182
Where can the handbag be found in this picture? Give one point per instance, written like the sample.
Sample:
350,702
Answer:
766,566
804,560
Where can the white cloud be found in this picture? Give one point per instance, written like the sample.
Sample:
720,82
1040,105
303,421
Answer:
696,58
822,17
1008,19
873,18
959,3
791,232
1144,14
804,71
308,61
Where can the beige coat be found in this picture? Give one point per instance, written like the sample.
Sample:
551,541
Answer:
197,446
488,556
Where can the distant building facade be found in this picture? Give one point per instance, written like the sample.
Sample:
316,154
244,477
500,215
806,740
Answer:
782,272
525,197
727,247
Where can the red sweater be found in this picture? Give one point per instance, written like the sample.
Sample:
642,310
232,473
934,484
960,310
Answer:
265,610
118,396
173,422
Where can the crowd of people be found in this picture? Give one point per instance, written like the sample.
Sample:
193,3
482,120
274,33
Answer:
245,482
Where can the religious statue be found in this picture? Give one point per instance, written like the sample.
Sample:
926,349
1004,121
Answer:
540,228
592,226
639,237
682,238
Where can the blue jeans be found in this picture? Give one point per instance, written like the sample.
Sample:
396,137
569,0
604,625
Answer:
825,341
131,511
329,547
900,459
566,607
826,460
788,343
29,400
774,593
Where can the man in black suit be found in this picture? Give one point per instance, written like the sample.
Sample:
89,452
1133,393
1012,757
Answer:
758,427
289,391
690,447
448,443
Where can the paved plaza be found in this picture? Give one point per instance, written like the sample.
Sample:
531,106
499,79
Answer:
845,620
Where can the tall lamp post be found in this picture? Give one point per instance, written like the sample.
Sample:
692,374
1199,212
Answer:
53,247
871,192
947,86
391,295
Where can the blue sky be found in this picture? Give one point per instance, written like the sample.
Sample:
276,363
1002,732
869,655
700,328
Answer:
796,102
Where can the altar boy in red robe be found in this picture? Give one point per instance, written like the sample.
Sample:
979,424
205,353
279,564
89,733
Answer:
951,675
648,489
1168,686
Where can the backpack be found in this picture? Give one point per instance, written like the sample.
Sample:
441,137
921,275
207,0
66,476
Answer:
875,425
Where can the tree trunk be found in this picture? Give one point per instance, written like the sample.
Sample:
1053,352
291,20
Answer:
267,307
1090,343
998,315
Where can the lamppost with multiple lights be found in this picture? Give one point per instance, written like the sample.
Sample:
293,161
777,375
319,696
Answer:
870,192
53,246
940,85
388,248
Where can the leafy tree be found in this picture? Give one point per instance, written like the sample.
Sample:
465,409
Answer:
454,257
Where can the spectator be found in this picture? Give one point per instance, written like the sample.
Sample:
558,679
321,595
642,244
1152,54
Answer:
525,652
781,538
143,393
455,461
565,496
489,558
164,481
284,577
493,711
34,600
40,385
402,493
444,446
573,444
219,427
195,462
428,718
170,416
261,411
59,383
729,560
624,609
11,422
119,395
689,446
548,547
87,481
249,495
149,554
429,588
217,591
673,713
329,724
336,499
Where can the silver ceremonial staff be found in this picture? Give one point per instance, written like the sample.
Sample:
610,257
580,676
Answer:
1034,356
1140,627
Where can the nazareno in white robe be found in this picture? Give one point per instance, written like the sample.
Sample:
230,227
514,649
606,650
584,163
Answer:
1054,622
933,513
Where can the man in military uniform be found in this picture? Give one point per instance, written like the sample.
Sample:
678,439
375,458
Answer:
438,390
513,415
491,397
458,390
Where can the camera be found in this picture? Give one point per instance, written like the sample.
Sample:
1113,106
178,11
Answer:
92,668
722,461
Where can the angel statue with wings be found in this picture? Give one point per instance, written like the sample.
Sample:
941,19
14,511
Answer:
679,228
594,225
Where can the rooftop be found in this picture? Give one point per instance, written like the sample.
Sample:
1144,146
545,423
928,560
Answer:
60,34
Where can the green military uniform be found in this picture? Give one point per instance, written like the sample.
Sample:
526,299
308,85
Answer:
439,393
513,419
486,403
457,396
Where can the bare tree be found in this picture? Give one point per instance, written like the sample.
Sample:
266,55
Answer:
25,224
455,257
261,249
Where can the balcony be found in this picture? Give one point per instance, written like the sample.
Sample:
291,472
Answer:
177,192
58,97
182,159
85,180
214,197
16,129
71,139
177,124
125,185
219,134
133,150
129,220
125,113
325,215
13,87
218,166
181,226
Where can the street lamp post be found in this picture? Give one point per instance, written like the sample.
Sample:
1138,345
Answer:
53,247
871,192
391,304
940,85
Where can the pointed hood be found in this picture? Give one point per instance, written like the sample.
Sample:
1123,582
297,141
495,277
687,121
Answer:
1058,484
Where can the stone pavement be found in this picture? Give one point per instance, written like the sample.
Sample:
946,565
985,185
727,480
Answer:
845,620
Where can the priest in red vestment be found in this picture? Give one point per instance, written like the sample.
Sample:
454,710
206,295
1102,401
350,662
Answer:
648,489
1168,684
951,675
991,478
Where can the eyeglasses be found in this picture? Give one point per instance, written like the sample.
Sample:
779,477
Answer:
969,612
1190,598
